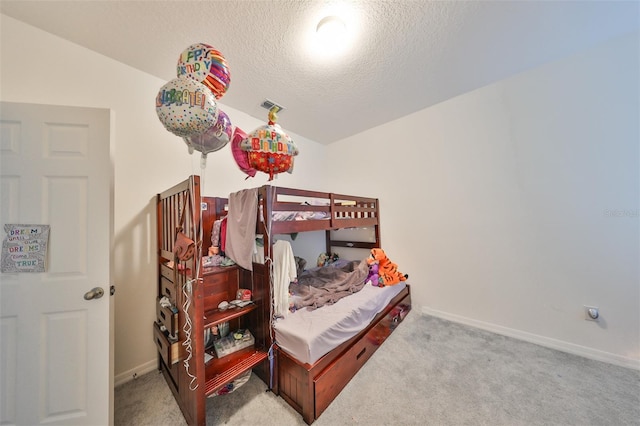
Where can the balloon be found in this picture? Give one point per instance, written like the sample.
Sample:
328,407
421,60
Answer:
241,157
186,107
214,138
269,148
204,64
271,163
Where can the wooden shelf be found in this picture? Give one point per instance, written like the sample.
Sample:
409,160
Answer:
217,316
230,374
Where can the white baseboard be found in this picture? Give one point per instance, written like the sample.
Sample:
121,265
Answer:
129,375
548,342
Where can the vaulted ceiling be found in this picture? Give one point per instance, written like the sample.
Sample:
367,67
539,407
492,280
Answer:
403,56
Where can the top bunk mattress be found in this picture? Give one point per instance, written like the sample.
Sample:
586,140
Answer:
308,335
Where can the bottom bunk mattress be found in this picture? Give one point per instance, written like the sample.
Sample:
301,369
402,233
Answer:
307,335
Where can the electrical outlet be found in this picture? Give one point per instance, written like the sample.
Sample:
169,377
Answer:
591,313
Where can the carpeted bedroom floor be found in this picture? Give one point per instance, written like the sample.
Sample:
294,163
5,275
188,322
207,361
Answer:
429,372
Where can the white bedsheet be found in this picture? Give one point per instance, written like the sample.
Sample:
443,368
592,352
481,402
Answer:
308,335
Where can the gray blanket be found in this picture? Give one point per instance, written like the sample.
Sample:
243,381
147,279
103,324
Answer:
322,286
241,227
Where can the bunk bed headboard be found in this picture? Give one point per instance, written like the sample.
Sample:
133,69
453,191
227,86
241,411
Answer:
354,212
324,211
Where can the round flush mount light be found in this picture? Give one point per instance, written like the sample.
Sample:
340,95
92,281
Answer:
331,38
331,30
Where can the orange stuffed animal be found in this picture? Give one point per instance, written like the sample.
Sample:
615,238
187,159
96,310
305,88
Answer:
387,270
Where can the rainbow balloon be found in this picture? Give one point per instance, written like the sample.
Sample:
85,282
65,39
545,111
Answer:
206,65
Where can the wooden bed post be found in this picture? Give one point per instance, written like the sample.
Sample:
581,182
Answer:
266,194
327,240
332,212
197,396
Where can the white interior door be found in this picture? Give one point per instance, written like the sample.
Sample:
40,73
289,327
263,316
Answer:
56,353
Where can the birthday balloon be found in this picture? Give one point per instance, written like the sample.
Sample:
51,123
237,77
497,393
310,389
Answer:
270,149
186,107
203,63
214,138
241,157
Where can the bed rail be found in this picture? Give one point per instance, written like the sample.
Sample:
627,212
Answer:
331,211
178,208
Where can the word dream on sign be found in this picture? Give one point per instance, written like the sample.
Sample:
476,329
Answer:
24,248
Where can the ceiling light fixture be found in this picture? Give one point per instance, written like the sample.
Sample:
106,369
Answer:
331,29
331,36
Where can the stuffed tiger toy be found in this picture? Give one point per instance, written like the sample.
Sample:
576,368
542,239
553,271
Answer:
387,270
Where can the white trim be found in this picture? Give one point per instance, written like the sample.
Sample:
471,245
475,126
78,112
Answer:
548,342
127,376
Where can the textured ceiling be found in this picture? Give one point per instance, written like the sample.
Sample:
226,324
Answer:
405,56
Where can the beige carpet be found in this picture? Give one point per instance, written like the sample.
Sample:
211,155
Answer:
429,372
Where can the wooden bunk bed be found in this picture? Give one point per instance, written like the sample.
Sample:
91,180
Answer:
308,387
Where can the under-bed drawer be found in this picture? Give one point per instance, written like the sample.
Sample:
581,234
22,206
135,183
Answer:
169,351
336,376
331,381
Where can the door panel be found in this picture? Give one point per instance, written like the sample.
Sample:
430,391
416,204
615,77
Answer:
68,245
9,368
56,355
64,387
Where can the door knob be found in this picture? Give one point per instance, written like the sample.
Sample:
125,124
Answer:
94,293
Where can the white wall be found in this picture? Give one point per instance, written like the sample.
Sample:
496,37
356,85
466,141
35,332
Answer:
37,67
512,206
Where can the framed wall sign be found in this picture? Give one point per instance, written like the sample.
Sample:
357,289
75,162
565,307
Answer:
24,248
